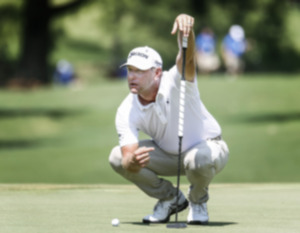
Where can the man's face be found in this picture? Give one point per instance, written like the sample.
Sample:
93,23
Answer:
140,80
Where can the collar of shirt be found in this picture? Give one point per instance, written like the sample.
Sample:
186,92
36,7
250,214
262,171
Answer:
155,105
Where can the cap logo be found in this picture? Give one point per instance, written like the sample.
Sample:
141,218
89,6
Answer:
157,63
138,54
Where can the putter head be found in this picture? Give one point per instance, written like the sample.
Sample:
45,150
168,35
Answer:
177,225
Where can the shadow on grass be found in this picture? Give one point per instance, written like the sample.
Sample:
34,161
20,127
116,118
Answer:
33,112
18,144
219,224
269,117
210,224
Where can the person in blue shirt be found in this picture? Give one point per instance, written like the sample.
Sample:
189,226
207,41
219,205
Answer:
207,59
233,47
64,72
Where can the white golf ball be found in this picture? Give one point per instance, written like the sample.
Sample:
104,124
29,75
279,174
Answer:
115,222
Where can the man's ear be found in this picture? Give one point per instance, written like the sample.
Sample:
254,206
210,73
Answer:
158,72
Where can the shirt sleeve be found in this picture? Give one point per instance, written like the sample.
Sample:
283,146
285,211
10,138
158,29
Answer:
191,87
125,126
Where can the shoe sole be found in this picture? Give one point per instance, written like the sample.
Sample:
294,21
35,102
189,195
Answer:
181,207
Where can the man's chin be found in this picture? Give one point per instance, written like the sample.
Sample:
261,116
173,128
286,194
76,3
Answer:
133,90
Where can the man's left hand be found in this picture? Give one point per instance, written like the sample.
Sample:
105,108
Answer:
184,23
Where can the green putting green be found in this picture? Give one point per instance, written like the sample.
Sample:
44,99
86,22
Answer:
246,208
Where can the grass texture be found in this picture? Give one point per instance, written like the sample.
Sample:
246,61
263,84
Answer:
65,134
234,208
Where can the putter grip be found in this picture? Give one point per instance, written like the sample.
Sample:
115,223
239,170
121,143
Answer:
181,108
184,42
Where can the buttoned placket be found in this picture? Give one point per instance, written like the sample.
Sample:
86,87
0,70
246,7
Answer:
158,109
160,114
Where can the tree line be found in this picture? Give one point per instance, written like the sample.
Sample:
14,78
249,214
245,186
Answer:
27,23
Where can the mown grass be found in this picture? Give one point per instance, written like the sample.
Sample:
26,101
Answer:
233,208
64,135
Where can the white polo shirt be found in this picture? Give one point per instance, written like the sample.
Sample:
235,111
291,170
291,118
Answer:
159,119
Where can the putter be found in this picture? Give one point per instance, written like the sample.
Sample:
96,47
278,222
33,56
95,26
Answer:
180,132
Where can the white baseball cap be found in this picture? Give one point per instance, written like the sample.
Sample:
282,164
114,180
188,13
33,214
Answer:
237,32
143,58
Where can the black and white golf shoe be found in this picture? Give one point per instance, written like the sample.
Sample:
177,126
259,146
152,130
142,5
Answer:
164,209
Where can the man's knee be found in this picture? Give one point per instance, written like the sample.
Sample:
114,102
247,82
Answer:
207,155
198,158
115,158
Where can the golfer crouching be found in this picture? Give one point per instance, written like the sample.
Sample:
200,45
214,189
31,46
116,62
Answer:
152,106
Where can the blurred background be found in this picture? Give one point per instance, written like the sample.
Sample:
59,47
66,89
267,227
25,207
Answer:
61,83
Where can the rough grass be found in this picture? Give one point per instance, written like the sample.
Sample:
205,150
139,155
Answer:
64,135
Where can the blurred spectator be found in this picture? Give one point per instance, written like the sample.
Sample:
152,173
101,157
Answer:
64,73
207,59
233,47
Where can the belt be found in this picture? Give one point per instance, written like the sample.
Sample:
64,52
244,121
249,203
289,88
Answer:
218,138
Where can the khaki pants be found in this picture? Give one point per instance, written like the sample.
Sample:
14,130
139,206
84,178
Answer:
200,164
207,62
234,64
